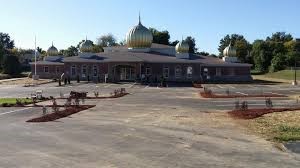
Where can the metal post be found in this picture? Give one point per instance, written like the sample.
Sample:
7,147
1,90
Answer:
35,55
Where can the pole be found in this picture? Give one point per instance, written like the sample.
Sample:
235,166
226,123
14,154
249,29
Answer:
295,79
34,55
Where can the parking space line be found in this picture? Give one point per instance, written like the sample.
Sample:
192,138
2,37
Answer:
132,85
220,86
13,111
274,93
106,86
241,93
231,87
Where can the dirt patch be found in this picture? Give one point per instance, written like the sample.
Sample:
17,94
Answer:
61,114
255,113
212,95
277,127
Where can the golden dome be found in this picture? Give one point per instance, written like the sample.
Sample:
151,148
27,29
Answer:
86,46
52,50
229,51
182,47
139,37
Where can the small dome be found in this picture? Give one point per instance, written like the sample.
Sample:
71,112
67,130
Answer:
139,37
182,47
229,51
86,46
52,51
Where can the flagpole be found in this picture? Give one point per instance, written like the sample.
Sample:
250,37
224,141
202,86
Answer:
34,55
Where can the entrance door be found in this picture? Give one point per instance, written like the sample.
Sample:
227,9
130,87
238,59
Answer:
127,73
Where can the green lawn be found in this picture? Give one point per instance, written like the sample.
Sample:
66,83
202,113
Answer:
284,74
13,100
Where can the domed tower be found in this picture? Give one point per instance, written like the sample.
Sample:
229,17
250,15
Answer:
229,54
139,38
52,51
182,50
86,46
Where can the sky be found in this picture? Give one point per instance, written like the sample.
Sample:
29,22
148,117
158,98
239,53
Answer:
66,22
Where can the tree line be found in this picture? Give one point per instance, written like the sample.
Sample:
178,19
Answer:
274,53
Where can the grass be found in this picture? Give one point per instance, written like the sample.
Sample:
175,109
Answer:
284,74
13,100
279,127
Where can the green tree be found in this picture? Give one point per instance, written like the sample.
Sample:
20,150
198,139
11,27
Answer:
11,65
97,49
278,62
243,47
5,44
192,44
107,40
280,37
203,53
160,37
71,51
261,55
174,43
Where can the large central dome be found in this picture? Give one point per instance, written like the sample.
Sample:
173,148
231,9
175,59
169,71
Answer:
139,37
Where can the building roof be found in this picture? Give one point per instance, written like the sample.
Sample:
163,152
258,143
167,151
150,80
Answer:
151,57
46,63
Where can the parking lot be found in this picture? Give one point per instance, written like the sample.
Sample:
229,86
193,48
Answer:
151,127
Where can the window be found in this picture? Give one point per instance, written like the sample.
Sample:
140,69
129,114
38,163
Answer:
166,72
73,70
178,72
148,71
95,70
57,70
83,71
46,69
189,72
231,72
218,72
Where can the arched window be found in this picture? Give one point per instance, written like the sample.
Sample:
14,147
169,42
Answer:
178,72
189,72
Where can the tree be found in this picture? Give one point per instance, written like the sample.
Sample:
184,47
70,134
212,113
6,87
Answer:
160,37
11,65
5,44
107,40
239,42
174,43
280,37
261,55
278,62
71,51
192,43
97,49
203,53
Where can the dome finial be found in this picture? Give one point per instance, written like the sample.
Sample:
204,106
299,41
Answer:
85,37
140,17
52,43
